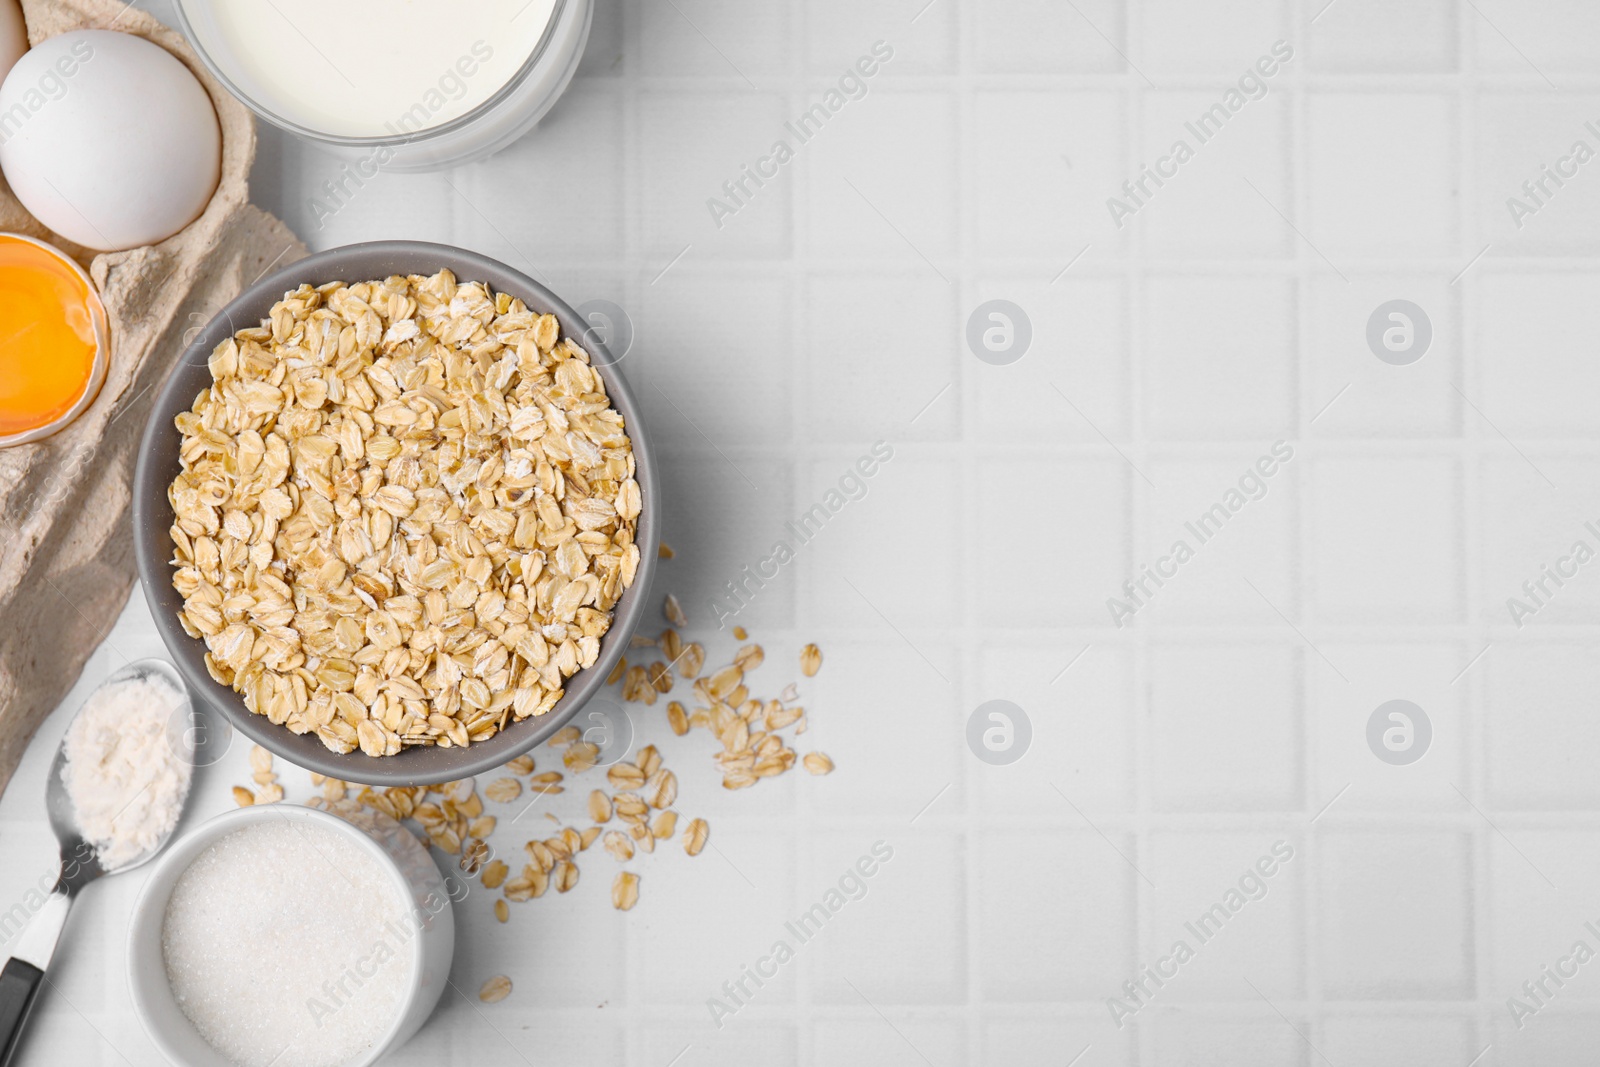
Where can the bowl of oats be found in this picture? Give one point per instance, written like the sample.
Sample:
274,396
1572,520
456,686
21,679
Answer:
395,513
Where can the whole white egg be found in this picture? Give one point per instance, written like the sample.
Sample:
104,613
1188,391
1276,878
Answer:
108,139
13,35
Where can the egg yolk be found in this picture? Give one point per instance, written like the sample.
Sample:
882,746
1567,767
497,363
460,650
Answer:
47,335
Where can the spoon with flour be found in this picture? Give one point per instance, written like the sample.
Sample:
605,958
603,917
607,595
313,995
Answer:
115,792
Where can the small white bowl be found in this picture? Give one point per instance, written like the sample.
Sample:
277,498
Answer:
396,850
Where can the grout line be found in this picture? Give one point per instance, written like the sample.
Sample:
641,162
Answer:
1463,289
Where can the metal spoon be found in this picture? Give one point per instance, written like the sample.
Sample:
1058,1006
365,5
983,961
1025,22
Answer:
80,865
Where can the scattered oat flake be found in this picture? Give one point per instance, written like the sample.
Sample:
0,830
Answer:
243,797
616,672
565,876
625,776
503,790
599,806
674,612
818,763
269,794
494,874
625,891
501,911
495,989
694,838
810,661
665,551
522,765
617,843
581,756
662,789
740,633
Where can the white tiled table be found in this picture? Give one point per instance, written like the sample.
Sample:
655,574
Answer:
1168,755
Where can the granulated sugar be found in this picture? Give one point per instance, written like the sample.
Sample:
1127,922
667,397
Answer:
127,771
287,943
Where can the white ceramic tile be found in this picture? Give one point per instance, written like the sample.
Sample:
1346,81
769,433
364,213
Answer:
1225,723
1037,36
1072,384
1046,166
742,1039
603,55
1220,358
1396,915
1535,36
1532,199
1540,919
728,906
1382,175
1349,774
694,146
1555,1038
1352,393
1532,375
730,551
899,392
1080,704
557,923
1387,1041
1535,691
903,1042
1220,163
1224,38
1384,542
1536,541
713,37
743,401
1085,505
1192,1040
1237,902
498,195
58,1034
920,720
1043,1040
1084,952
1371,36
872,194
1205,559
333,204
878,946
907,490
922,36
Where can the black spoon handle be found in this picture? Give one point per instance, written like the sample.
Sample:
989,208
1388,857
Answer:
19,988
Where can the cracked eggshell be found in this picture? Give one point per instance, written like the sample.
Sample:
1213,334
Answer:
108,139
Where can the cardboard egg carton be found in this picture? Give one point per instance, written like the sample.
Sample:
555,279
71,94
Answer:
66,548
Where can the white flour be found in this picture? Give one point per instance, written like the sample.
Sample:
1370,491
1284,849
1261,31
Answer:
126,770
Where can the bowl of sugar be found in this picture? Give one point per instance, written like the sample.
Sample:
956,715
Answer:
284,934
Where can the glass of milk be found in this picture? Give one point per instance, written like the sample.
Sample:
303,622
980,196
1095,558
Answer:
394,84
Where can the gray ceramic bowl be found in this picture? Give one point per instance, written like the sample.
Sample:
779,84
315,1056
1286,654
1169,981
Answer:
158,465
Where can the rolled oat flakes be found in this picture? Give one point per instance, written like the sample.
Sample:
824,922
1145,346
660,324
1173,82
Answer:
405,513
